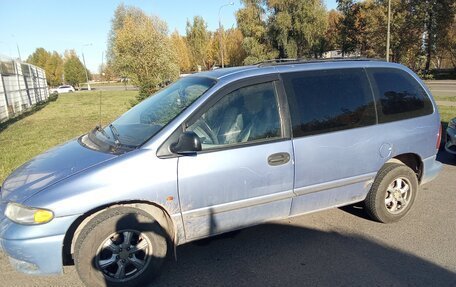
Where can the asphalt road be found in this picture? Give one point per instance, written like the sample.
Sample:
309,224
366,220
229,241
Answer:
336,247
114,88
446,88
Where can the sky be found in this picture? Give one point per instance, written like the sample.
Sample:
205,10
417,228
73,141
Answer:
83,25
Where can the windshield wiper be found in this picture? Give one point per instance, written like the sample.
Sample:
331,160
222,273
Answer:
115,134
102,131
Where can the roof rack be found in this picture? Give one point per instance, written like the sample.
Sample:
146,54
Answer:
275,62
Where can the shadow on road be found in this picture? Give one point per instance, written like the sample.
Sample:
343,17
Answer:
284,255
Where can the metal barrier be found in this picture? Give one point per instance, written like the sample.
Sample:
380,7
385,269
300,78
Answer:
21,87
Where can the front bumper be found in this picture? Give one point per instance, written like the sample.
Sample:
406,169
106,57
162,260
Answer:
450,141
431,169
34,249
38,256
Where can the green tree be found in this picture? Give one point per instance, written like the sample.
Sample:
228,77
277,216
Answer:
438,16
234,51
370,26
39,58
251,21
348,38
451,44
73,69
297,26
107,72
54,69
117,23
52,63
182,52
198,38
144,53
329,41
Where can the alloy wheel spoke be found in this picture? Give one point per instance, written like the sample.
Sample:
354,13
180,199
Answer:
127,237
390,189
107,262
138,263
402,201
389,199
399,183
394,205
120,273
405,189
111,246
140,246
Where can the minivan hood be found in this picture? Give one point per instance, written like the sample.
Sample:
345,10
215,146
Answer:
48,168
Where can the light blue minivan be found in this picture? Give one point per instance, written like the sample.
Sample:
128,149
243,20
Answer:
218,151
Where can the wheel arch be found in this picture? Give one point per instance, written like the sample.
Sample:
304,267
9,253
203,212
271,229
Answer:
157,211
411,160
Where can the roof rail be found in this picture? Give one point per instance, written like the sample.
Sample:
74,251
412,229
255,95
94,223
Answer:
275,62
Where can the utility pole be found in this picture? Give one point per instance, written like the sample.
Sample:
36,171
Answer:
102,68
85,67
221,32
388,33
17,46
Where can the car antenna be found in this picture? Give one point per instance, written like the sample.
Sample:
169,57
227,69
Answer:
99,115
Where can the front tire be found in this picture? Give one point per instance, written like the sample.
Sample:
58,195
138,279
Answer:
392,194
121,246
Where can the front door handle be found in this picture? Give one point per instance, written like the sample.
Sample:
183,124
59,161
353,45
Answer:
278,158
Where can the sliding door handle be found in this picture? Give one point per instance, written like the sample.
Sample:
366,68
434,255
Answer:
278,158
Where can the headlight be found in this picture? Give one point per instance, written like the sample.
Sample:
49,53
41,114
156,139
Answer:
27,215
452,124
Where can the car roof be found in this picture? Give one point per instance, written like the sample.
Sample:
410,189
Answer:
293,65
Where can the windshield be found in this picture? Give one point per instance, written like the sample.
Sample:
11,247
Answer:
148,117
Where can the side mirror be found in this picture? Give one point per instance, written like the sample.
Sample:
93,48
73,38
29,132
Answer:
188,144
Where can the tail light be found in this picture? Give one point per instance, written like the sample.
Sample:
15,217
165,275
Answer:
439,137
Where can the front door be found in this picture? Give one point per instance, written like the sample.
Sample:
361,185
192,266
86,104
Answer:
244,174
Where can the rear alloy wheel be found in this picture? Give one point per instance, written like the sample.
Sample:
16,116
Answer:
398,195
392,193
121,246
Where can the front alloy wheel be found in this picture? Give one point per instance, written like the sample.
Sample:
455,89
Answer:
121,246
124,255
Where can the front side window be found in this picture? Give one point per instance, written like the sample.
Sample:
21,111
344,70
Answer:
245,115
147,118
329,100
398,95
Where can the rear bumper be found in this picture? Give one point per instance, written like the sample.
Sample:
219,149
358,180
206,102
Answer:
431,169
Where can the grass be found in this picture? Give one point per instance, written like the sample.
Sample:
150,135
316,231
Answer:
69,116
446,98
447,113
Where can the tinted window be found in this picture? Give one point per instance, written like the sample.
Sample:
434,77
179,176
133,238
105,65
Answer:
398,95
331,100
244,115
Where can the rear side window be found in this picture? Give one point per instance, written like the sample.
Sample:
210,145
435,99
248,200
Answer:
329,100
398,95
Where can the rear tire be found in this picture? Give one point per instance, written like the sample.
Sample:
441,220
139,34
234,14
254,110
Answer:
392,194
121,246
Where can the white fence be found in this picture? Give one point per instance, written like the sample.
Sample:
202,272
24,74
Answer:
21,86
